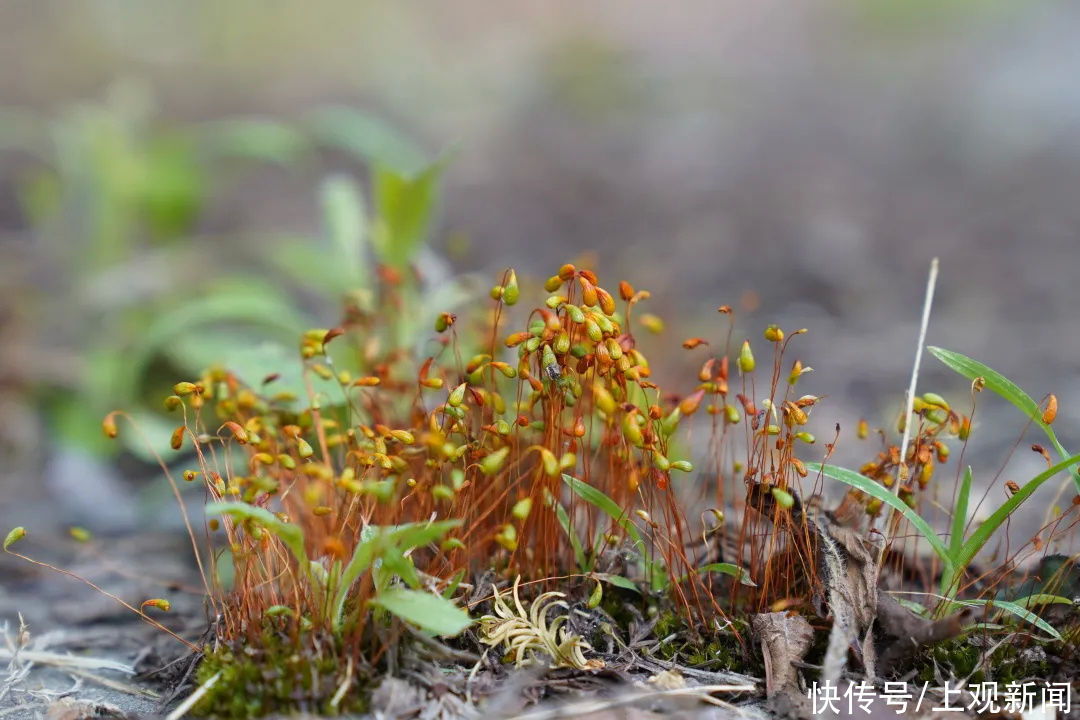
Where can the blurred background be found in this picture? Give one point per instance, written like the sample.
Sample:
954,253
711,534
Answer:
173,177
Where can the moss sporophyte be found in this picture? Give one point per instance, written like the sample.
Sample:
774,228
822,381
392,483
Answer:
531,444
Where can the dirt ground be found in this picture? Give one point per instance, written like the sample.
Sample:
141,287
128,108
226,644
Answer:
81,654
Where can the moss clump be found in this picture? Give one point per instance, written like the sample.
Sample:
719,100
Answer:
964,658
276,674
668,623
721,651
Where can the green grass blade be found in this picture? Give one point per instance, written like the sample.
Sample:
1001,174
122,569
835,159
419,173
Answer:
362,558
412,535
602,502
915,607
1017,610
575,542
1003,386
657,576
956,535
290,534
618,581
982,533
727,569
959,519
1006,388
455,582
1040,599
871,488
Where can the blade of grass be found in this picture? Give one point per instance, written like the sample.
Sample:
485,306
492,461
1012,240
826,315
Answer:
575,542
1040,599
290,534
956,535
917,608
959,519
599,500
361,560
1017,610
727,569
1006,388
618,581
871,488
982,533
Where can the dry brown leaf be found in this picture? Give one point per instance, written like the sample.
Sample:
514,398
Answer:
785,638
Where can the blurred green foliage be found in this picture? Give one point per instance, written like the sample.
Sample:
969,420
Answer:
143,286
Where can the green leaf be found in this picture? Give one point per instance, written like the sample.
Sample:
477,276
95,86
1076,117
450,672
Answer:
346,226
367,138
310,265
255,138
1017,610
956,536
959,519
596,498
982,533
290,534
618,581
406,207
1040,599
412,535
729,569
428,611
871,488
387,546
599,500
250,303
1004,387
575,542
362,558
253,360
393,562
172,188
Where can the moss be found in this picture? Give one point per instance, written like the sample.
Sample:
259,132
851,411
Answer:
668,623
964,658
711,652
619,605
276,674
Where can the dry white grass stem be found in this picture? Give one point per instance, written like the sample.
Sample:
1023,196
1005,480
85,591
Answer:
928,303
193,698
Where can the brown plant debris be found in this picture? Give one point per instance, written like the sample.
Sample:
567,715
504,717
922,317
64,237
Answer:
785,639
